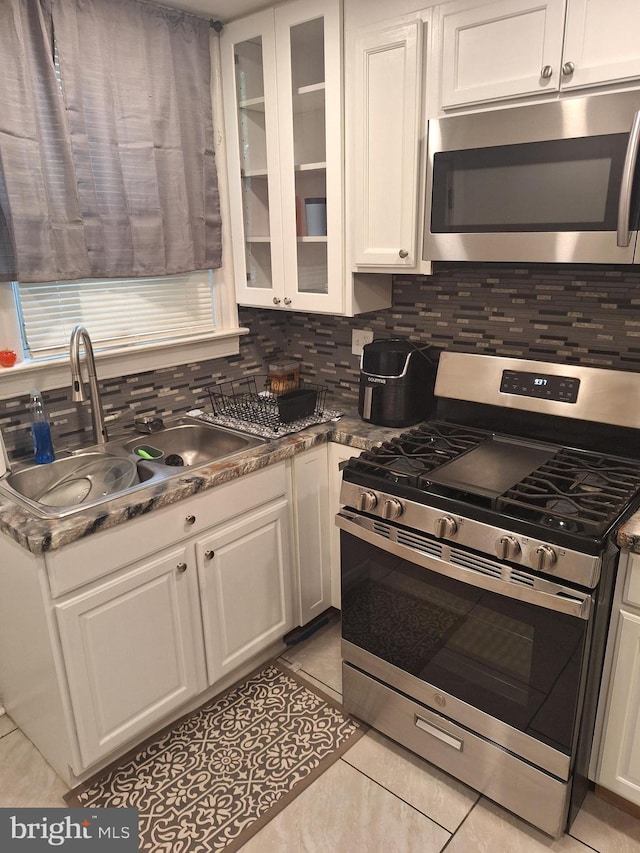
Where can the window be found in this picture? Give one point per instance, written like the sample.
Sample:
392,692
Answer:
46,361
122,312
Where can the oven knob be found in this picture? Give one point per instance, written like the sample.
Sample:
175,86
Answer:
546,558
391,508
367,501
445,526
507,547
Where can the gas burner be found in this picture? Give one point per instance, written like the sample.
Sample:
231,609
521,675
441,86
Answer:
560,505
589,481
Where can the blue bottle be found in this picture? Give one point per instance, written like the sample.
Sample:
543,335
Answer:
40,429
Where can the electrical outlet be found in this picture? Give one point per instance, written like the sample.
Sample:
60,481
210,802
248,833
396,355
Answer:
360,337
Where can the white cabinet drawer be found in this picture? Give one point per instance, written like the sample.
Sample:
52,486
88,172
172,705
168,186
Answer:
93,557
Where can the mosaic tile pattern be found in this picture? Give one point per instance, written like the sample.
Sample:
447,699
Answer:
170,391
585,314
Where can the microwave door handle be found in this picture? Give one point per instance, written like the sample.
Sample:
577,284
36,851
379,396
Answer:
626,185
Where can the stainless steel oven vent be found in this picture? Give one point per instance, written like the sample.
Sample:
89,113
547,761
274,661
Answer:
382,529
521,577
419,543
474,563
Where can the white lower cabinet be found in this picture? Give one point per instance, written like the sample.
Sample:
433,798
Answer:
619,764
338,453
244,569
128,628
132,651
312,571
120,632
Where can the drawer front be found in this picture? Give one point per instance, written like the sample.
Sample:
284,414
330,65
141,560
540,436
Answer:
99,554
518,786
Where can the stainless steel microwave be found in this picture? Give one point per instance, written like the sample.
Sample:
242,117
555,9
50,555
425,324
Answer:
552,182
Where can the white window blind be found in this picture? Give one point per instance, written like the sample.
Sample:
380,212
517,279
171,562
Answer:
121,312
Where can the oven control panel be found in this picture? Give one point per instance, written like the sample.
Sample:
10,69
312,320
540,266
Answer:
486,539
563,389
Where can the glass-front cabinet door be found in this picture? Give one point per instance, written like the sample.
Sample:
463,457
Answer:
281,76
251,119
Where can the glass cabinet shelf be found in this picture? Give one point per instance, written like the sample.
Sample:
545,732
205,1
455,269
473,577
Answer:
256,104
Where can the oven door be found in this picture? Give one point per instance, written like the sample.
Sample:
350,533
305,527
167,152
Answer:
497,650
548,182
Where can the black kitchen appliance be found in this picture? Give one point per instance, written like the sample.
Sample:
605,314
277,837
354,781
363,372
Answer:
478,561
396,383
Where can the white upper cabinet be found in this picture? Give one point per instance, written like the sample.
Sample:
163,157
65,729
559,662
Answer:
282,82
602,42
384,115
519,48
499,50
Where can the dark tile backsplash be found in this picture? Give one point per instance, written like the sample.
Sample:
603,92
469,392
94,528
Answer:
587,314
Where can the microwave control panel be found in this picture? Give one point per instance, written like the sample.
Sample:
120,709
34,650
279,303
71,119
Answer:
564,389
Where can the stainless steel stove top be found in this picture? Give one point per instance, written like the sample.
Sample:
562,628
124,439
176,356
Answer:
548,505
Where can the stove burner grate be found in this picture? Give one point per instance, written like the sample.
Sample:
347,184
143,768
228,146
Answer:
408,457
576,489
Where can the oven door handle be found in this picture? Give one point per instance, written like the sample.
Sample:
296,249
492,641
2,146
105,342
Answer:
553,596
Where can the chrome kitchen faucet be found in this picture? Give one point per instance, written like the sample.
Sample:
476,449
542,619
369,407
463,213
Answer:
78,393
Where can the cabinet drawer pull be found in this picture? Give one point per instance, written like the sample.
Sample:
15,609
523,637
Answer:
439,733
190,519
181,567
209,555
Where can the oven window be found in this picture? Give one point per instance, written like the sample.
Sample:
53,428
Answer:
515,661
559,185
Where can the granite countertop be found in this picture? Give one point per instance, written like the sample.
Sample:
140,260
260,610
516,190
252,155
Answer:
39,535
629,534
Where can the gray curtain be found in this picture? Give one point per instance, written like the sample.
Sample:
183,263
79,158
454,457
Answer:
138,134
41,230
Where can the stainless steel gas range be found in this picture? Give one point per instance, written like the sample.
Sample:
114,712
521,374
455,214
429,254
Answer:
478,562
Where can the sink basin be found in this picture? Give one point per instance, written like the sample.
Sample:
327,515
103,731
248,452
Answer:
186,443
84,479
101,473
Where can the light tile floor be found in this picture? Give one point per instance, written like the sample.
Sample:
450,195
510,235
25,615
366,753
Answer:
378,798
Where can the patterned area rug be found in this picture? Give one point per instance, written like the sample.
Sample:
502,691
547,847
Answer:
215,778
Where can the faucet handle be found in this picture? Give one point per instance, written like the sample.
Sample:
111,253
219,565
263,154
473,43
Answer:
148,424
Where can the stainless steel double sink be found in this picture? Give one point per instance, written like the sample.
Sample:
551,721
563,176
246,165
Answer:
92,476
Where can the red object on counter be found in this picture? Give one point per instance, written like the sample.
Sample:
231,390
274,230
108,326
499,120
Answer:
7,358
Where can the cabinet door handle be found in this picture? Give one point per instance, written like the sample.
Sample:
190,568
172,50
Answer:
546,72
209,555
276,300
403,253
190,519
287,301
181,567
568,68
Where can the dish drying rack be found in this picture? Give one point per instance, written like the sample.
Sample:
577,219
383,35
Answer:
266,407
